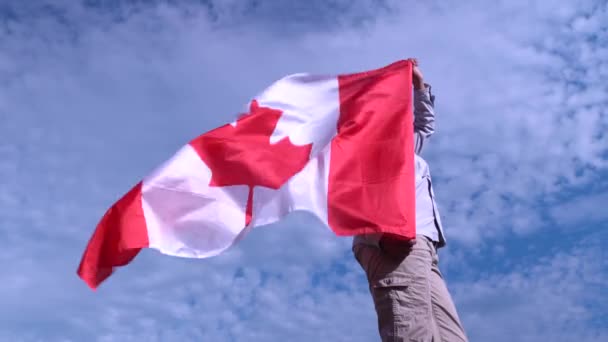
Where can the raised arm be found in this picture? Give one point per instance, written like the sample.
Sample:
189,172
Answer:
424,113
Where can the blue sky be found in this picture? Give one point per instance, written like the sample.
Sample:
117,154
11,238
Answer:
94,95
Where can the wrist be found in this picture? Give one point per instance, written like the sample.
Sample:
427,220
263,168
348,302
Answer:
419,84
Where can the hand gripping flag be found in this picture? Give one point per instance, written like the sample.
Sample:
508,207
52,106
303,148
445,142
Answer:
339,147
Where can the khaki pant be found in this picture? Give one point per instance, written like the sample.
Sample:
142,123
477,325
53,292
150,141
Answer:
411,299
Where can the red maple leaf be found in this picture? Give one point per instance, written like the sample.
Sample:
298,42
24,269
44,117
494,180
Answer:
243,155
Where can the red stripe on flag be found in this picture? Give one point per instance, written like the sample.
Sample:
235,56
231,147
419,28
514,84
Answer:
118,238
371,175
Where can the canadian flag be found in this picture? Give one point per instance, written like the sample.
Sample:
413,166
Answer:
339,147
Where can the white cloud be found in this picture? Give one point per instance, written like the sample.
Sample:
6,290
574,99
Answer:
589,209
550,299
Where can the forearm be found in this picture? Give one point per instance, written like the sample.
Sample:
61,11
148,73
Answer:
419,84
424,112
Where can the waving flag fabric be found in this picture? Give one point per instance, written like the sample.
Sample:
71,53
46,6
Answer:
339,147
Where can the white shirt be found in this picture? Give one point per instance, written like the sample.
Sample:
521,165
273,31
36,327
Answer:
428,222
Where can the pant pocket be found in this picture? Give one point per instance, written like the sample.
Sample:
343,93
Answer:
403,309
394,319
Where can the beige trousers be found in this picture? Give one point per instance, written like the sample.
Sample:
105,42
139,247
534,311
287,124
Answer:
410,296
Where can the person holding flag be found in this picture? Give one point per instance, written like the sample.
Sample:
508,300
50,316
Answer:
343,148
410,296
